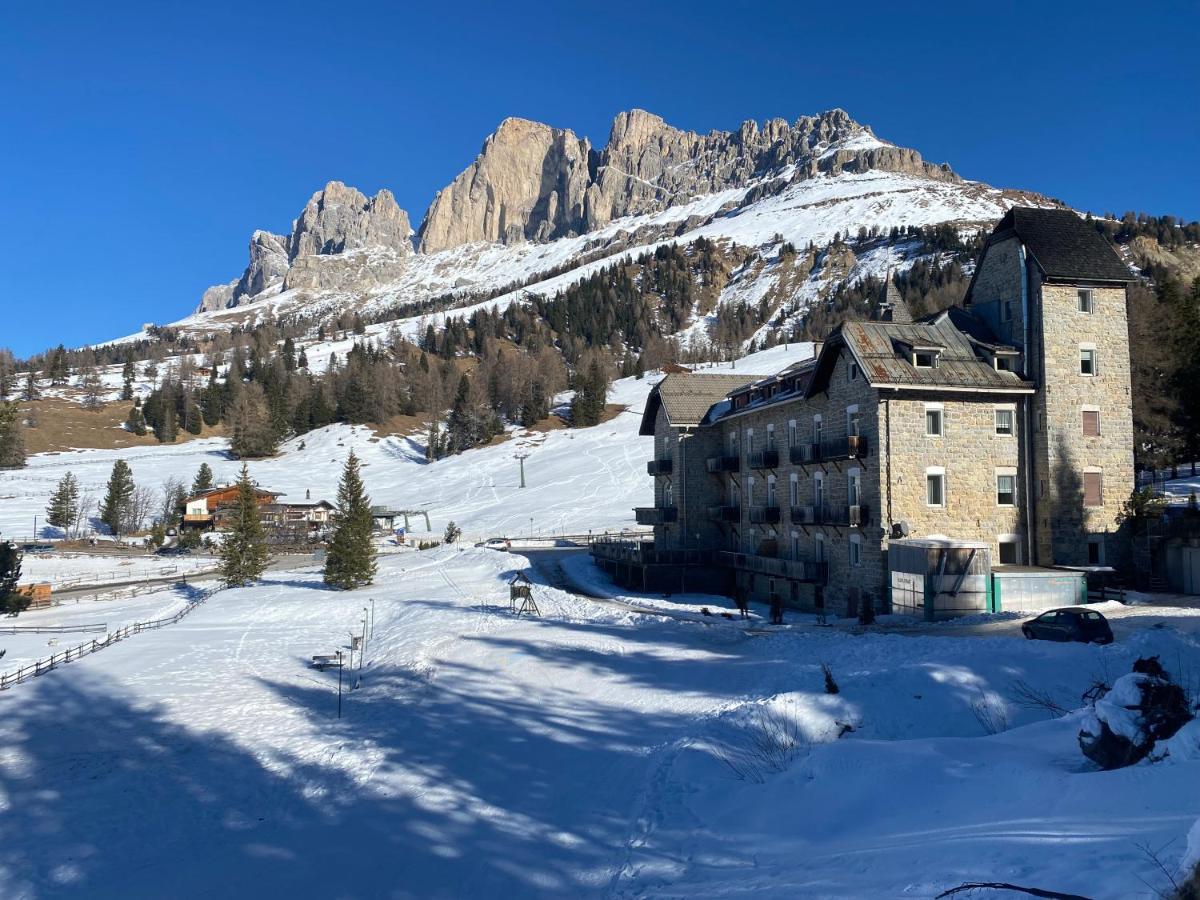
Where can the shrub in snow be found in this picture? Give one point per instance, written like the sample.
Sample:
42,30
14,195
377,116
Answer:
1140,710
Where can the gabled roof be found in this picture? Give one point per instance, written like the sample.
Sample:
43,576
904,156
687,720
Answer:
687,397
1065,247
874,346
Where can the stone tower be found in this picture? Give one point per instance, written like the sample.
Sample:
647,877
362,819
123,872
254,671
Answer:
1048,283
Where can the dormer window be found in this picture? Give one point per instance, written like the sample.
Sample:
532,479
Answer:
925,359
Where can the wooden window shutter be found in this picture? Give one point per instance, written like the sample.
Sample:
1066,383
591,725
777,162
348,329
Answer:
1091,423
1092,494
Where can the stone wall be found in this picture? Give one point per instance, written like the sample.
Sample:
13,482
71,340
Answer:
998,282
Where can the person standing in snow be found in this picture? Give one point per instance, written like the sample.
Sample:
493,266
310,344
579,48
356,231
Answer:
776,609
742,601
819,603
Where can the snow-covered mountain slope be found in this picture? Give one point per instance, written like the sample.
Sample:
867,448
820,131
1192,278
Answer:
577,479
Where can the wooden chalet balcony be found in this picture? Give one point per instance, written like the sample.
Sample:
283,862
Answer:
799,570
659,466
763,459
718,464
852,446
764,515
837,516
656,515
732,513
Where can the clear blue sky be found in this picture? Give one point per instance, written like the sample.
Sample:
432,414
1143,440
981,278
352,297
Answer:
141,143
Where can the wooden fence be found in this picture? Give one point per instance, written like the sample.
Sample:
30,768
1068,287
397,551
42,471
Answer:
49,663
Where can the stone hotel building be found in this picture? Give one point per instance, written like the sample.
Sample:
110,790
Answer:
1004,426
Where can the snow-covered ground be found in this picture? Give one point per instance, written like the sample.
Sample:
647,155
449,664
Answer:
66,569
589,752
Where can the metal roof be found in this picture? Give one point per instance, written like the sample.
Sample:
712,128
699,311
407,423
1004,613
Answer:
688,397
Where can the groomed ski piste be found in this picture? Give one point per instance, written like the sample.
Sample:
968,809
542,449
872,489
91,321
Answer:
591,751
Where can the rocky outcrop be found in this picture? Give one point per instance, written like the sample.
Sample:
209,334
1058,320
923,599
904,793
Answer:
339,218
352,270
528,183
336,220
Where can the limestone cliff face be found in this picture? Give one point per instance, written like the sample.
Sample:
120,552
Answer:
533,182
648,165
528,183
337,219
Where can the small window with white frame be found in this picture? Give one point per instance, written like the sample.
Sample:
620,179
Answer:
925,359
1087,300
794,490
855,550
935,486
1087,360
792,433
934,420
770,437
853,421
1006,420
1006,487
1009,546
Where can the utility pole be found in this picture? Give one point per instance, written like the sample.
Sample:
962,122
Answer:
339,656
521,457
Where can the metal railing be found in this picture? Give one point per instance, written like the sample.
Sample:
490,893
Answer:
729,513
656,515
659,466
764,515
852,446
800,570
719,464
825,514
763,459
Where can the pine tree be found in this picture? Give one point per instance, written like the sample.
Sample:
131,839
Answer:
244,554
31,392
350,560
64,503
250,423
128,373
12,437
203,480
136,422
11,602
302,362
93,389
116,509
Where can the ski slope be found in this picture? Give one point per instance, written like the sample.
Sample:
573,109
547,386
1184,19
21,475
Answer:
580,754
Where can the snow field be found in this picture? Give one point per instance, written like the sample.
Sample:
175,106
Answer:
579,754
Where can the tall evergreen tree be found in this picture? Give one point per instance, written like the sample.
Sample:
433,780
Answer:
116,509
136,422
11,602
244,553
12,437
350,560
128,373
31,392
64,503
203,480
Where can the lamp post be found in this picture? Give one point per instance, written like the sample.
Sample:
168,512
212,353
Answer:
339,656
531,528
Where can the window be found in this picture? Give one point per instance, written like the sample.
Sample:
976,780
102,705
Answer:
795,545
770,437
792,433
1095,550
935,487
933,420
819,548
749,441
771,491
853,486
733,443
735,494
855,550
1091,423
750,491
668,495
1005,310
818,490
853,371
1010,550
794,491
1093,489
817,430
1085,301
1006,490
1087,361
853,421
1004,421
924,359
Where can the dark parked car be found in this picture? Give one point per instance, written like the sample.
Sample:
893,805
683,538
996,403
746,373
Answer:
1069,624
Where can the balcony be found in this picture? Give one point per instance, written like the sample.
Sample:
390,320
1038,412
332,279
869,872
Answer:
799,570
764,515
803,515
725,513
719,464
763,459
656,515
852,446
659,466
769,548
643,553
837,516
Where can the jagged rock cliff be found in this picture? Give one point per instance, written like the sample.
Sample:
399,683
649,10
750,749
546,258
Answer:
335,220
528,183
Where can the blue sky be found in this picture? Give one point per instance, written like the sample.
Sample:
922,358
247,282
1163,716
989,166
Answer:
143,142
